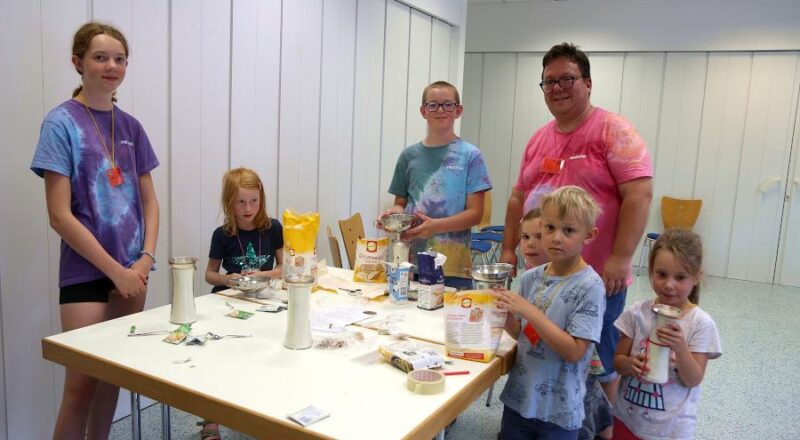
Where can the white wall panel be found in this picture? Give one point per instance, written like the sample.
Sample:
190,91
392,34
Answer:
789,252
497,116
35,84
419,66
606,74
674,153
301,54
471,98
766,147
336,117
395,95
724,112
440,51
200,124
530,113
255,92
365,190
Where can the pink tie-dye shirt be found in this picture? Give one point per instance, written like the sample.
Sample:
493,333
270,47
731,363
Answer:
602,153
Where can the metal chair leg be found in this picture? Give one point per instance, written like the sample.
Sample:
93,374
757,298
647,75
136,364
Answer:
489,397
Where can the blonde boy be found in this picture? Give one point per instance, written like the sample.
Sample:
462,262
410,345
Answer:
556,318
442,180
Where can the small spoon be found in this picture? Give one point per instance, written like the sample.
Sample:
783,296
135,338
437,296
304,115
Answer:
217,337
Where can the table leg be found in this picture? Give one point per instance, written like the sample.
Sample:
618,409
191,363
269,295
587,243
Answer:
440,435
136,417
166,431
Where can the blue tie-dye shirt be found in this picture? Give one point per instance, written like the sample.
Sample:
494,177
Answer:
436,182
69,145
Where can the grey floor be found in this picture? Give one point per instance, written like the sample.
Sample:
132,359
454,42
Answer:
751,392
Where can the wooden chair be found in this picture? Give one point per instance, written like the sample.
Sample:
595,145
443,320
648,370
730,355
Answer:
336,254
486,219
675,214
352,229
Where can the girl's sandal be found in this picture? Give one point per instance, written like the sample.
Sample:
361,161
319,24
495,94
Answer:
210,430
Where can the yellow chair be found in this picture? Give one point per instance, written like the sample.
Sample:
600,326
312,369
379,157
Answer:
675,214
336,254
352,229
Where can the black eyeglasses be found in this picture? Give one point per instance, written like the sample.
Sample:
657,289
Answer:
565,82
434,106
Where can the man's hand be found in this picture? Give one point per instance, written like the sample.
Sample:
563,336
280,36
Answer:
615,274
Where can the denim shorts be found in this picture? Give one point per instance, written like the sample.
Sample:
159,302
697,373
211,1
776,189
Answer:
515,427
610,335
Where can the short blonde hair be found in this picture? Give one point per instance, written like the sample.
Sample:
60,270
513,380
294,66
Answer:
440,85
573,201
231,182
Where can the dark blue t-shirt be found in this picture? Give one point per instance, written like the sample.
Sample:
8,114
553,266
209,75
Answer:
248,251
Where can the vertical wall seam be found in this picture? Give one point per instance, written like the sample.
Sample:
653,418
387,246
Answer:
170,244
230,82
408,78
280,97
319,98
383,97
700,130
513,119
353,106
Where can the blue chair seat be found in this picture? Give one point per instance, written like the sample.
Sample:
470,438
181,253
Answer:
480,246
653,235
494,228
487,236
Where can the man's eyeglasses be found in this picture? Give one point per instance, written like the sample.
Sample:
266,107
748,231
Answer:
434,106
565,82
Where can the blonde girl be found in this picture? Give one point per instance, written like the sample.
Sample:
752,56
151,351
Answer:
646,410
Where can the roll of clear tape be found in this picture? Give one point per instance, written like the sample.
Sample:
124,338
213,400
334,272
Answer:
425,382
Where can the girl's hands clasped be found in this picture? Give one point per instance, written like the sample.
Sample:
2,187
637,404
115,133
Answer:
129,283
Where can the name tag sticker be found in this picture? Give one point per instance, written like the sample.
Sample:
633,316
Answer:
552,166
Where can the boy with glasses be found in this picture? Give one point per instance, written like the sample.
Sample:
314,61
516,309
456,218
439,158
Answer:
442,180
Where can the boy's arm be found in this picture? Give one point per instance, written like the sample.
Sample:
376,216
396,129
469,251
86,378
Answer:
567,346
398,207
465,219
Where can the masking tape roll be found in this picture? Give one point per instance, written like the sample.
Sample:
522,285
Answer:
425,382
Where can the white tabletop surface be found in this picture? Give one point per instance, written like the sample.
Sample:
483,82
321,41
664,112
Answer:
251,384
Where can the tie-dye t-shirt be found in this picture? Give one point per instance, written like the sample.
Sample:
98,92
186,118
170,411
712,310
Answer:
436,182
69,145
603,152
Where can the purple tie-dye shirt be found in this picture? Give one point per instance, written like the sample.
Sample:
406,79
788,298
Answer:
69,145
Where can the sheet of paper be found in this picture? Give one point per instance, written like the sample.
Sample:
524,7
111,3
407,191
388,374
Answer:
336,279
335,319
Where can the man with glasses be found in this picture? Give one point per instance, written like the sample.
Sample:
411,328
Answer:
601,152
442,180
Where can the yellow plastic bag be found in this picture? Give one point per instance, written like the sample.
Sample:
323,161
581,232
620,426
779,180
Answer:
370,256
473,324
300,243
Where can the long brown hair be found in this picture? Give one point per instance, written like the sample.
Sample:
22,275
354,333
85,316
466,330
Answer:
231,182
83,38
687,247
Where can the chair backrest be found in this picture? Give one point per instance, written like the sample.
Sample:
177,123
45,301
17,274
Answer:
333,242
486,219
679,213
352,229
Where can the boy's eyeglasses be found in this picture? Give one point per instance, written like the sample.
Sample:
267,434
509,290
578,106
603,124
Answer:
434,106
565,82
